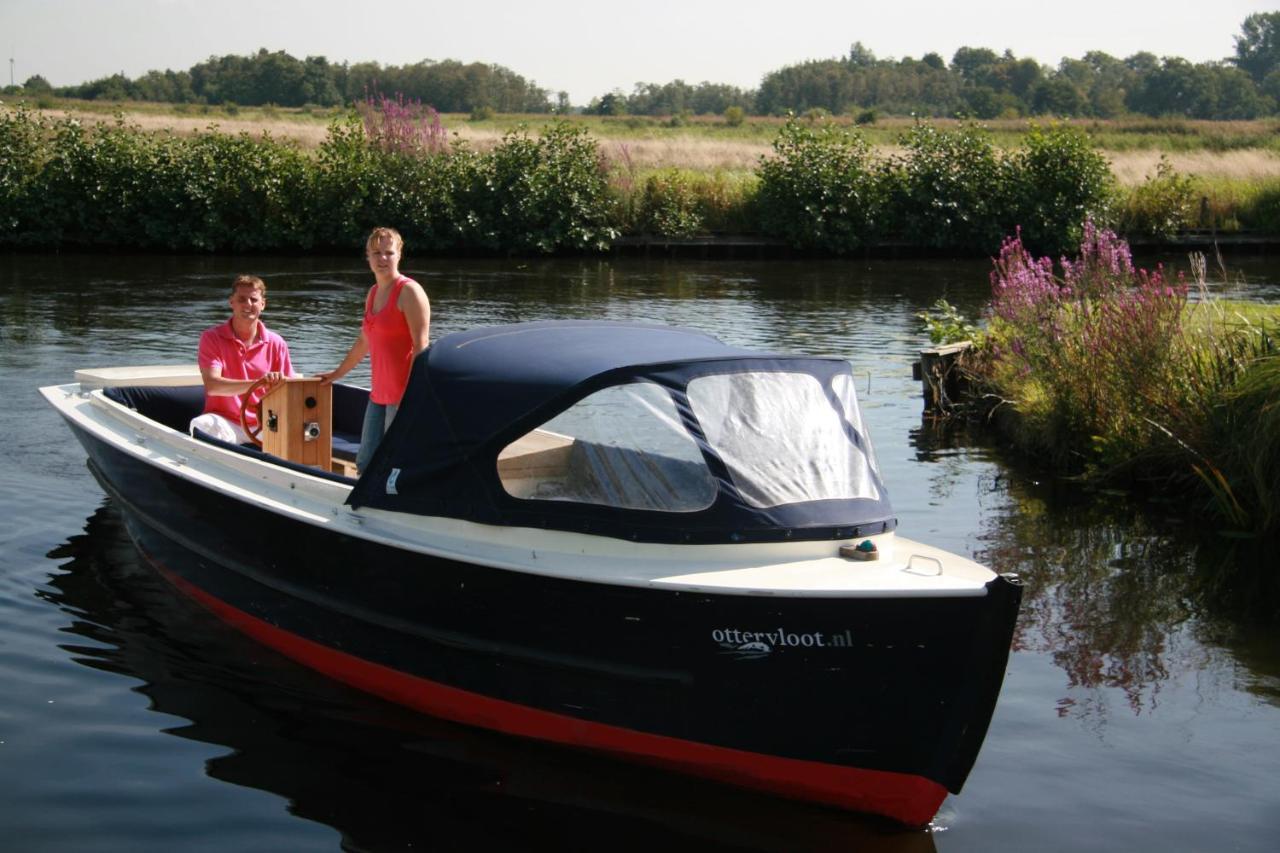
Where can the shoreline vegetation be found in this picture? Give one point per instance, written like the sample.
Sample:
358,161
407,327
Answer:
71,173
1120,377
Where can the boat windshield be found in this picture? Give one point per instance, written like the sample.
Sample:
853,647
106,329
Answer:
782,436
623,446
782,439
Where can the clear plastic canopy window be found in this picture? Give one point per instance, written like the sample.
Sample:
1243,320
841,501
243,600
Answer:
624,446
782,440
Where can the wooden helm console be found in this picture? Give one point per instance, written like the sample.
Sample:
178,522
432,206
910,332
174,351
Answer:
295,421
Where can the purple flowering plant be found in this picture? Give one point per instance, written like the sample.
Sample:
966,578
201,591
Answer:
402,126
1085,350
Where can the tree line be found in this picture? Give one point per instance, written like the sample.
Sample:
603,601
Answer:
980,83
283,80
977,83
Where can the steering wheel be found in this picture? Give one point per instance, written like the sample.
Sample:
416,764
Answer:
254,432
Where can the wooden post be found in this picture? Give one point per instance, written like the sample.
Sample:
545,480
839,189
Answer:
936,370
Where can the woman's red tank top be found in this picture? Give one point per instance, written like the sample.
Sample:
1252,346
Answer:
390,346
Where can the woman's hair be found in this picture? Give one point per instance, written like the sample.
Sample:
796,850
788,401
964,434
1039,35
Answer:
249,281
378,234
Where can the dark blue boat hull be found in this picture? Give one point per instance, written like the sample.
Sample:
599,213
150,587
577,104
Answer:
873,704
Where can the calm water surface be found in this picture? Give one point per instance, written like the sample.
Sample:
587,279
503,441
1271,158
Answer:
1132,718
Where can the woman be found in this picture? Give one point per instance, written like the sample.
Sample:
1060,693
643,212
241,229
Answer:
397,322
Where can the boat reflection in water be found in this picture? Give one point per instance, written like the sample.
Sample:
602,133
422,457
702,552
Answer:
389,779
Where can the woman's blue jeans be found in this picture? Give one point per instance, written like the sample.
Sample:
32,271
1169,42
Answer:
377,418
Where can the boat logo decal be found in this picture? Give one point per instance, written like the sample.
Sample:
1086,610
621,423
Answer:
757,644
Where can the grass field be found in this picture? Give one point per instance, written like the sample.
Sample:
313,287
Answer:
1222,152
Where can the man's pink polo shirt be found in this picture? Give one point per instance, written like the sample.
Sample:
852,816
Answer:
220,347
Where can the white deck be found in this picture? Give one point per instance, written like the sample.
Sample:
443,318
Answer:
167,375
810,569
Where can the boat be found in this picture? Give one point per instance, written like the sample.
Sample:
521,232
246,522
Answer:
622,537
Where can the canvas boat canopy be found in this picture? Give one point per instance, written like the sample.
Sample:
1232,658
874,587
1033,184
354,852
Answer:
629,430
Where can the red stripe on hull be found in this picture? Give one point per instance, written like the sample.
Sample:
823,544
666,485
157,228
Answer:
913,800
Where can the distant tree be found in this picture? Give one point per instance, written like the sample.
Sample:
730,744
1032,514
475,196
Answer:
1106,101
1177,88
172,87
1271,90
1142,63
275,78
969,61
985,102
612,104
36,83
1238,97
653,99
714,98
860,57
1057,96
117,87
1023,76
1258,45
320,83
278,78
1110,80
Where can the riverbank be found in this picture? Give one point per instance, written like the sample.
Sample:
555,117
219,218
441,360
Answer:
72,182
734,246
1125,377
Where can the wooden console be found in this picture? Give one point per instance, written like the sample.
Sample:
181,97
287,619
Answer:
297,422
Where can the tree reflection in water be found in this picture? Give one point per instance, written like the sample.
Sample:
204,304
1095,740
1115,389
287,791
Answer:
1115,589
1106,598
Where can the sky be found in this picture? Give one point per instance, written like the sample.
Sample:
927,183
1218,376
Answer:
588,48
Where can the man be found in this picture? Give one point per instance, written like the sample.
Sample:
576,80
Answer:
234,355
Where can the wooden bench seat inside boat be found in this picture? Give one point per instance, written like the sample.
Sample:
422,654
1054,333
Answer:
544,465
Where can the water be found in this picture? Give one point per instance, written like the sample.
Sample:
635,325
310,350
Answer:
1132,717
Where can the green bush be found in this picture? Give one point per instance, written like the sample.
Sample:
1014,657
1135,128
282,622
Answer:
1263,213
246,194
90,186
22,155
62,184
946,325
540,194
1159,207
821,189
1058,182
950,189
669,205
67,184
359,185
116,186
734,116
